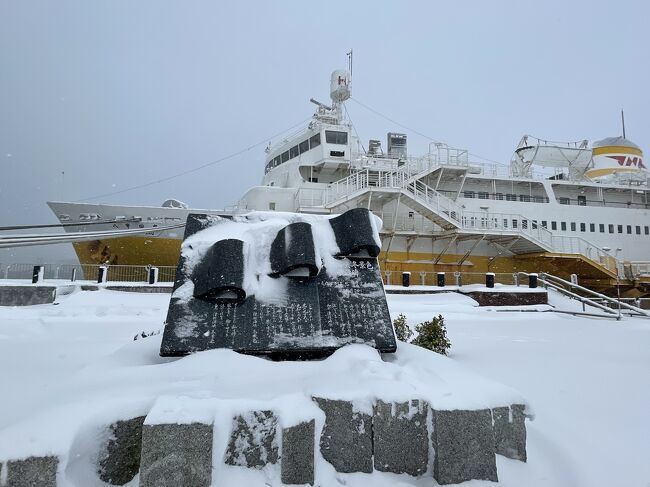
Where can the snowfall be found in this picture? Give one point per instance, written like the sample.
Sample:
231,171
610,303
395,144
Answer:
71,367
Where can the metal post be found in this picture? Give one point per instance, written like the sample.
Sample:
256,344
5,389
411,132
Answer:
153,275
423,277
489,279
406,279
102,274
387,274
459,281
441,279
37,274
73,275
515,279
532,280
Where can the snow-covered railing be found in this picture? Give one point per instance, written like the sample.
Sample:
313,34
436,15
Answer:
89,272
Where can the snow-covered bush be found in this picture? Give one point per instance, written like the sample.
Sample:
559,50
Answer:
402,330
433,335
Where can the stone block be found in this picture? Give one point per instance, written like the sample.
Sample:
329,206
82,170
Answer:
297,464
26,295
510,431
176,455
120,456
346,440
401,439
253,441
32,472
464,446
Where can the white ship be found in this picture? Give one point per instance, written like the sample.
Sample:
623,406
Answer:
563,208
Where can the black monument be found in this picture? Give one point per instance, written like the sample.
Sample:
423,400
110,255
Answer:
319,312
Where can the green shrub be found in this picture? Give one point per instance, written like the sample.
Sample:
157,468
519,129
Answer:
432,335
402,330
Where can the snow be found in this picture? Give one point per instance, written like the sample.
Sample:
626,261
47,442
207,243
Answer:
70,369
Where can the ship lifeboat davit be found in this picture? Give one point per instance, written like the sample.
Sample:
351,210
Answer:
616,158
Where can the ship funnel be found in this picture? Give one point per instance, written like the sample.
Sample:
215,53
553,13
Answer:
340,86
616,156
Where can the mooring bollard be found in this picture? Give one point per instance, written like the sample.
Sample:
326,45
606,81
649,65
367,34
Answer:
73,275
441,279
532,281
406,279
387,274
423,278
37,274
102,274
489,279
153,275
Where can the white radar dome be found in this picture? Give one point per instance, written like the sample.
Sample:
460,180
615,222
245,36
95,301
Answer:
340,85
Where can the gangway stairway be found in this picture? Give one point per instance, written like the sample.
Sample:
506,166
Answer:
405,185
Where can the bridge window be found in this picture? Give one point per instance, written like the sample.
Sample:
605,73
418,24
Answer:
314,141
285,156
611,228
294,152
303,146
333,137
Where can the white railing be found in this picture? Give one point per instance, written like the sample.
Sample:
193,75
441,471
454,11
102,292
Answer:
88,272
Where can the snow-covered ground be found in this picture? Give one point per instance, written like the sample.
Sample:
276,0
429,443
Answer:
587,380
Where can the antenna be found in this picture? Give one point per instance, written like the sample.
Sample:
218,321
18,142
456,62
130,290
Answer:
623,122
349,54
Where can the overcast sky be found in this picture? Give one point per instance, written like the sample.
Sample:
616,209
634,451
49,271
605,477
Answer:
98,96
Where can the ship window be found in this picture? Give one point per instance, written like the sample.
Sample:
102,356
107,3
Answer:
277,161
563,226
647,230
468,194
534,224
285,156
303,146
271,205
514,223
611,228
313,180
505,223
294,152
582,200
498,196
524,224
524,197
483,195
620,229
638,230
601,227
544,224
583,227
573,226
592,227
565,201
553,225
629,229
314,141
332,137
511,197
